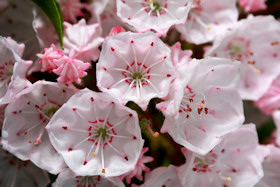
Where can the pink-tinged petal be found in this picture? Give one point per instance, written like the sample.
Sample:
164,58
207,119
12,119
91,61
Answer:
208,19
44,29
180,56
71,70
270,100
231,163
23,132
134,67
82,40
163,177
259,56
276,118
139,168
12,70
203,107
159,15
69,179
252,5
96,135
15,172
271,166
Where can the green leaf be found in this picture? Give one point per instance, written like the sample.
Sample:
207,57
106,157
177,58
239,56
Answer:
52,10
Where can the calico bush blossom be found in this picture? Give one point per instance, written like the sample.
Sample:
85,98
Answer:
271,164
15,172
258,51
202,107
159,15
83,40
71,9
134,67
96,135
69,179
270,100
12,69
23,132
208,19
231,163
163,176
139,168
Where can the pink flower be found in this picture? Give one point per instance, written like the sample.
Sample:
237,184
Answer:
69,179
159,15
164,177
259,55
49,58
12,70
231,163
71,9
201,107
139,168
271,166
82,41
96,135
208,19
134,67
252,5
270,100
23,131
15,172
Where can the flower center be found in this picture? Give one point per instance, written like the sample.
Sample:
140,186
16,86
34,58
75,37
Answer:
6,71
49,109
102,132
136,76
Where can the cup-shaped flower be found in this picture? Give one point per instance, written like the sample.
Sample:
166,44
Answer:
203,103
84,40
163,176
23,131
69,179
159,15
15,172
12,69
208,19
134,67
259,52
231,163
96,135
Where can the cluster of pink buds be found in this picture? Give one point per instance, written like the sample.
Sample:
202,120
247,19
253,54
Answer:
142,93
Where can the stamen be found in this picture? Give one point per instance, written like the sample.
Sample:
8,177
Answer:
38,140
155,134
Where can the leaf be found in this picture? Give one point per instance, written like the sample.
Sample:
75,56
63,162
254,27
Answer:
52,10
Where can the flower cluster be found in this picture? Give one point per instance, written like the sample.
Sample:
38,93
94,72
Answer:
169,93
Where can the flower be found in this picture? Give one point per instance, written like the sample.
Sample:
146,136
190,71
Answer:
259,55
163,176
96,135
82,40
208,19
139,168
202,107
159,15
134,67
231,163
12,70
23,131
69,179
